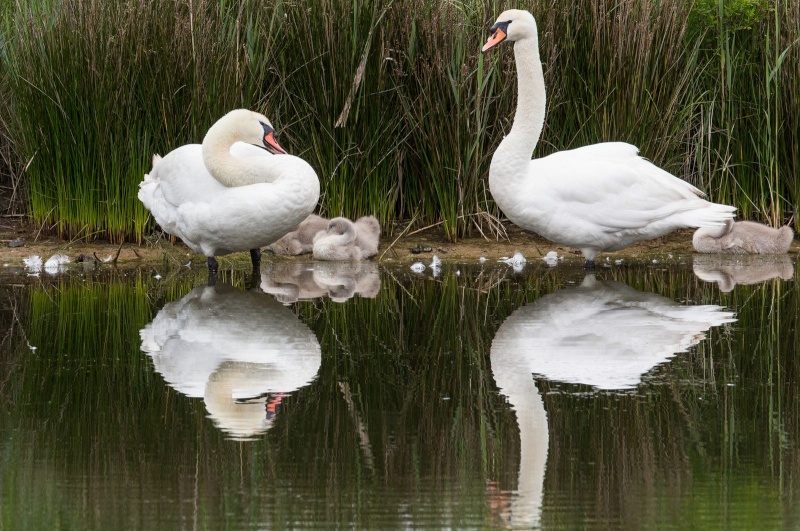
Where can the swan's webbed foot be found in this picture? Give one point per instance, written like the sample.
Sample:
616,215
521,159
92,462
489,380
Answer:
213,267
589,265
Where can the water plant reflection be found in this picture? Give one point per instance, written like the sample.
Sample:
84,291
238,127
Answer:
240,351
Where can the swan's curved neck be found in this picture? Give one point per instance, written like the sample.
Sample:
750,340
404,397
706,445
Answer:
513,155
227,169
531,94
347,238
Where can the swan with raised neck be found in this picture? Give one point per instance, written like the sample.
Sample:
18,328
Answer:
602,197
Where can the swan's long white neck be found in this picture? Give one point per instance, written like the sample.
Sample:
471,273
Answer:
226,168
531,93
515,151
523,396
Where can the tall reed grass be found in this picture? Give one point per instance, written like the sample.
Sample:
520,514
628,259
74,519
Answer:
391,101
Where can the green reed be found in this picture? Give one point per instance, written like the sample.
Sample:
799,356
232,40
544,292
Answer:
391,101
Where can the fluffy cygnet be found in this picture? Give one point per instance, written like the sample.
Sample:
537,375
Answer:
345,240
300,240
743,237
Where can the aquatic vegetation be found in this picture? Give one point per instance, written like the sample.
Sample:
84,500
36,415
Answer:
391,102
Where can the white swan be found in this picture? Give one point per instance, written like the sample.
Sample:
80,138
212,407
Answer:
300,240
743,237
237,191
602,197
240,351
345,240
603,333
512,373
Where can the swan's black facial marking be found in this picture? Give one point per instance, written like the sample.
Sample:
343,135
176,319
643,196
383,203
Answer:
270,143
501,25
499,34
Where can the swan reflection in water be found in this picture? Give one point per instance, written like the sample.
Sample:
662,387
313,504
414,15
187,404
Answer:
239,351
603,334
290,281
729,270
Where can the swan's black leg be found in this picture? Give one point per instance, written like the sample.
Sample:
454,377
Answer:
255,257
213,267
255,277
589,265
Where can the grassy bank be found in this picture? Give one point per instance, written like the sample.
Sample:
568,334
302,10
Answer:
390,101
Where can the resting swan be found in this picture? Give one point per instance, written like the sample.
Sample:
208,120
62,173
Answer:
345,240
602,197
237,191
743,237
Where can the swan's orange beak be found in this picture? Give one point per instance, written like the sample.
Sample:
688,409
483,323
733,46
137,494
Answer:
272,145
497,37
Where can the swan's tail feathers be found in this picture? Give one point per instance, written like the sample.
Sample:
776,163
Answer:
711,215
147,179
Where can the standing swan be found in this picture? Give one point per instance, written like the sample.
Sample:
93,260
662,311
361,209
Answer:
237,191
602,197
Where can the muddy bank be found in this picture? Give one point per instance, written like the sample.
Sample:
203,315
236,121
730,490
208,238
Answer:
393,250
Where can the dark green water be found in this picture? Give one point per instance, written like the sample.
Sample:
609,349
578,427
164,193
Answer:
648,396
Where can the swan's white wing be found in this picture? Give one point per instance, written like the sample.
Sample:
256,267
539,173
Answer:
606,335
183,177
609,188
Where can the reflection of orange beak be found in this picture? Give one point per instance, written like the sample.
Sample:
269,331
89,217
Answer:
272,144
496,38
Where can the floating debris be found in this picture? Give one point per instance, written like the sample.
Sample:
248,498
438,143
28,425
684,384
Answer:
417,267
33,264
517,261
551,258
55,264
482,259
436,266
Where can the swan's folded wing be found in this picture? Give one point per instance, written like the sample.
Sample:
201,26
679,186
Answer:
610,187
183,177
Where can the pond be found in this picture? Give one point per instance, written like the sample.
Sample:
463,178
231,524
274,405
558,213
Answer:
365,396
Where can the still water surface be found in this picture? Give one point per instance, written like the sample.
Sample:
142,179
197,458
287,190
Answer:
333,395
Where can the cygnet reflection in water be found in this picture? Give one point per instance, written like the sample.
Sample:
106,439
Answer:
729,270
603,333
290,281
239,351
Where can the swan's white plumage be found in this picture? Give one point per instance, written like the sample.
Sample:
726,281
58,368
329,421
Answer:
232,348
603,334
601,197
270,194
